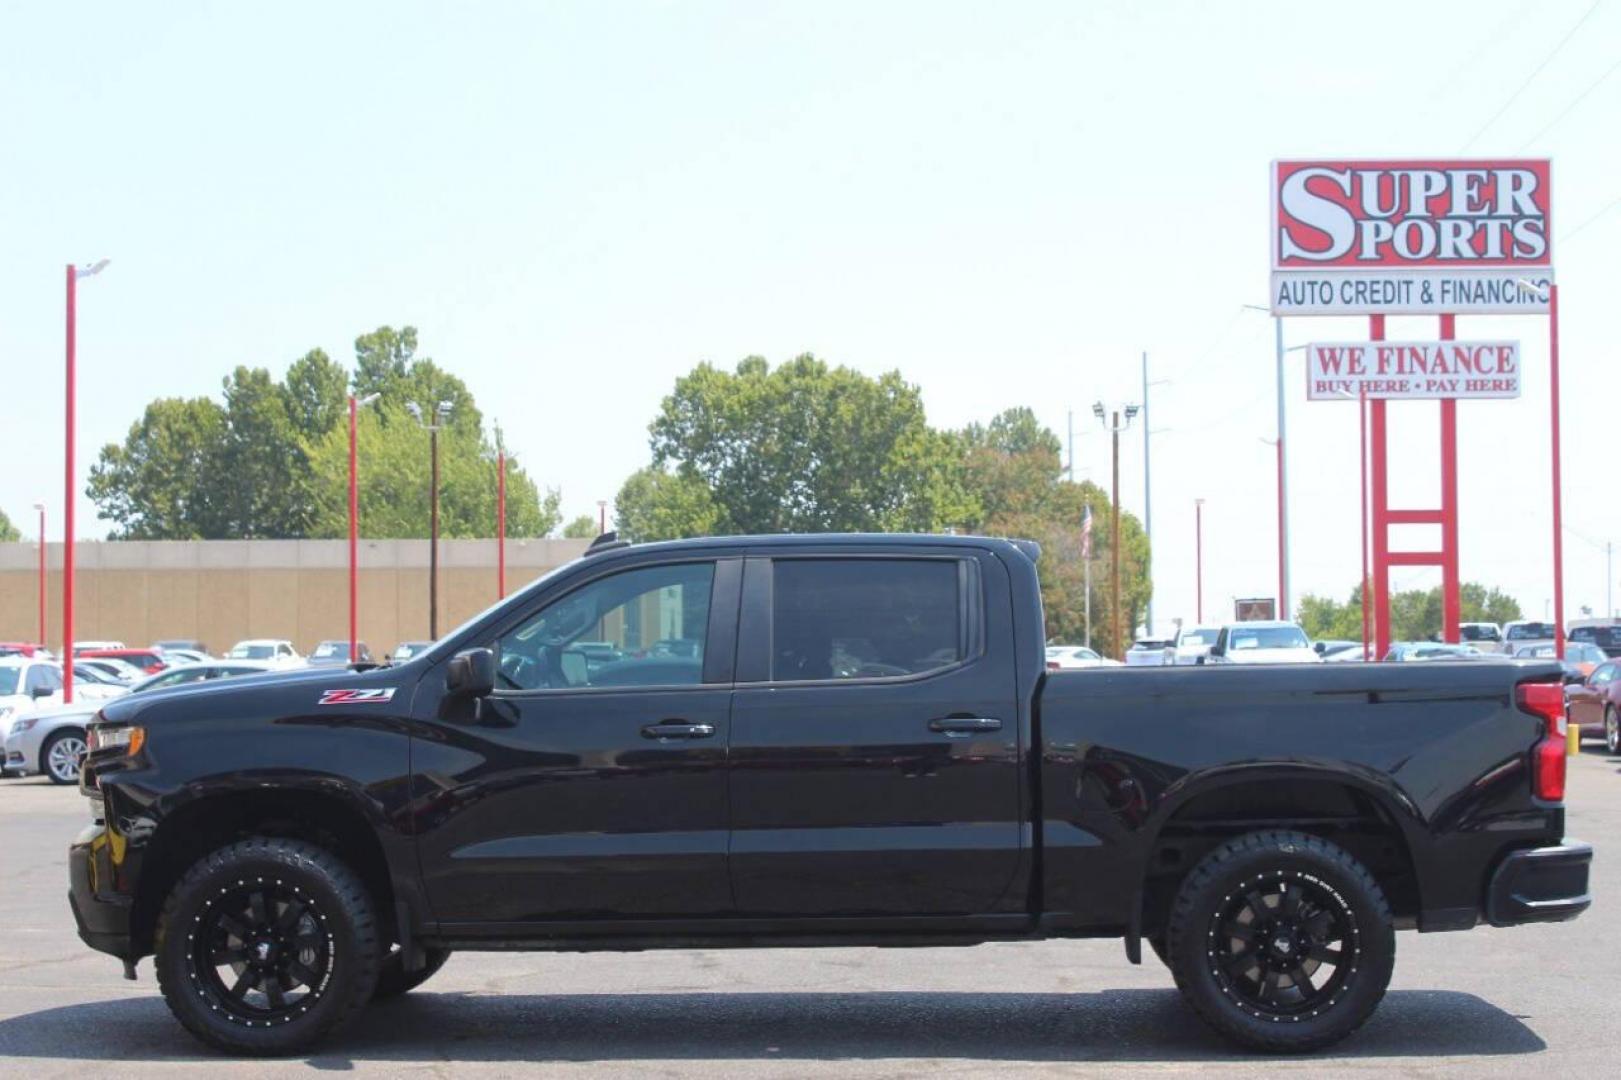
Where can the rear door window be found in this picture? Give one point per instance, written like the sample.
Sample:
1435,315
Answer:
864,618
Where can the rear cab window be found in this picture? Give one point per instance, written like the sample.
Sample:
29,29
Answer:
866,618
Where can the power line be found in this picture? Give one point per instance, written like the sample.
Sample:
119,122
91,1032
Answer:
1611,205
1567,109
1546,60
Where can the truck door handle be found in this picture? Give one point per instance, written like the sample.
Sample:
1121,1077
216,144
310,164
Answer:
963,725
677,729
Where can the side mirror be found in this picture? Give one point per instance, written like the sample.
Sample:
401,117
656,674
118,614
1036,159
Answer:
1318,648
41,691
471,673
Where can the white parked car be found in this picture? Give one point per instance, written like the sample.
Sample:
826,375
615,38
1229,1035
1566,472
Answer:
277,651
1525,633
1192,644
1076,658
1262,642
51,740
1484,636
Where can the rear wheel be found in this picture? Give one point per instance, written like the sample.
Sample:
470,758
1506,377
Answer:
266,946
1281,941
59,757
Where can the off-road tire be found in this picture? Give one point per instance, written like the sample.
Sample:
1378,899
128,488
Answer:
1197,956
393,980
347,920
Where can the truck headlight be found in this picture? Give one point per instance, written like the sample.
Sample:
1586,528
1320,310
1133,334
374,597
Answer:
128,738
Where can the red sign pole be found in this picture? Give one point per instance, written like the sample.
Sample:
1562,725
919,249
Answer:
1451,603
1362,463
1381,511
1558,510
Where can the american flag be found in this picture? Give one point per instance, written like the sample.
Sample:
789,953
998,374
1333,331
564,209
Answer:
1086,532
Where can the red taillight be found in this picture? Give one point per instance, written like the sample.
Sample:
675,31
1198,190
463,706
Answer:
1052,665
1546,700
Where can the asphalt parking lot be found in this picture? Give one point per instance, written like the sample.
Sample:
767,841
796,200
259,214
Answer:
1479,1004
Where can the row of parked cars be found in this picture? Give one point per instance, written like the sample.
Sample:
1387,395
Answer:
41,734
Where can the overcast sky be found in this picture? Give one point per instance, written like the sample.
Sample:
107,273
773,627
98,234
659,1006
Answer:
574,203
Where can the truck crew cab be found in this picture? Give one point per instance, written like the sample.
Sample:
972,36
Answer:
811,740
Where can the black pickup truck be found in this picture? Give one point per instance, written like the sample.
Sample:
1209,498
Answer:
814,740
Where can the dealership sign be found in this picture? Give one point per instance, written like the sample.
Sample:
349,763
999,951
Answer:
1394,370
1411,237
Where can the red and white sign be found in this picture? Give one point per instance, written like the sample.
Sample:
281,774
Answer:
1395,370
1412,236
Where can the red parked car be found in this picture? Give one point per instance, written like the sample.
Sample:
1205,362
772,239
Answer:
150,661
1595,703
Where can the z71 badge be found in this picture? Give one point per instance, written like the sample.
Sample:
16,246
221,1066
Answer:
357,697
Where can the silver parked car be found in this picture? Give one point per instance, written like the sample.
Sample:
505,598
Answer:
51,741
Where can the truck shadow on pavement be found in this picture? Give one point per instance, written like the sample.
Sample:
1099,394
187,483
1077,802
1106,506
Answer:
1110,1025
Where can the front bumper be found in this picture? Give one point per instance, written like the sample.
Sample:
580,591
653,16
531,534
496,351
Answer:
103,915
1546,884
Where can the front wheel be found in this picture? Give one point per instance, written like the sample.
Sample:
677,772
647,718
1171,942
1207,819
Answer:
1281,941
267,946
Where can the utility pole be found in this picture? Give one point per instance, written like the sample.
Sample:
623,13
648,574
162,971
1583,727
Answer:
1069,468
1115,427
1198,561
440,414
1284,611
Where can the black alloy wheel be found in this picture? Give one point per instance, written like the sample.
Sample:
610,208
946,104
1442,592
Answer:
1281,941
1284,945
266,946
260,952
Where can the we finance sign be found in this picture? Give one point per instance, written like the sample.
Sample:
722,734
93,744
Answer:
1396,370
1360,237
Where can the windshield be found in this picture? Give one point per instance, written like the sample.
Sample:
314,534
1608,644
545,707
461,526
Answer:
1268,637
253,652
8,680
1201,636
331,648
1479,633
1530,631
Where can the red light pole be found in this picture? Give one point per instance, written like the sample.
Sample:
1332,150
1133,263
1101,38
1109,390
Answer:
1198,560
354,528
40,506
500,524
74,273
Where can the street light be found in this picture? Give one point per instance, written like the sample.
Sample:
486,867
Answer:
74,273
440,414
1114,426
354,528
1283,468
40,506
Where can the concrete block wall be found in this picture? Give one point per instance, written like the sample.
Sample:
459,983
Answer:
221,591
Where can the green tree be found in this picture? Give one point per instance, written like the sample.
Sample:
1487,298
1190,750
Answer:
583,527
272,459
809,448
657,505
1415,614
8,531
166,480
